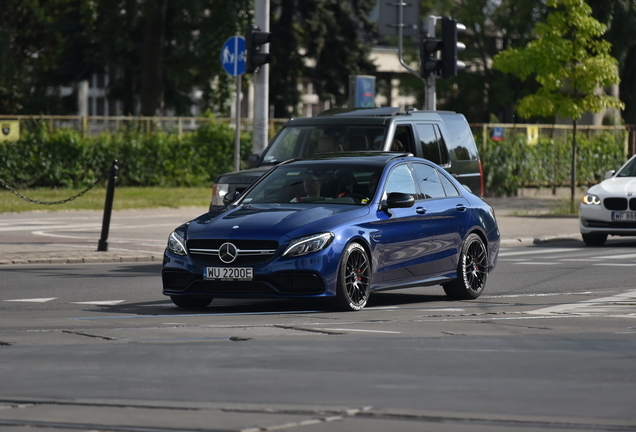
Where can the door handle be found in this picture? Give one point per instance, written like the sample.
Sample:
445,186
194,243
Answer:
420,210
460,207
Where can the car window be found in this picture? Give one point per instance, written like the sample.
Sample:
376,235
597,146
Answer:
629,170
449,187
316,183
400,180
428,181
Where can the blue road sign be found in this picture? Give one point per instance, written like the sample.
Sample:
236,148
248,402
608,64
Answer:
233,55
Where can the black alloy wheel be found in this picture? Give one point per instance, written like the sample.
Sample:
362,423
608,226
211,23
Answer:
472,270
354,277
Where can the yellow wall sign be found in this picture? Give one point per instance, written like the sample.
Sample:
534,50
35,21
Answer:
9,130
533,135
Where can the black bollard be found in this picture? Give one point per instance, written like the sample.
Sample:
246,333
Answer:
102,246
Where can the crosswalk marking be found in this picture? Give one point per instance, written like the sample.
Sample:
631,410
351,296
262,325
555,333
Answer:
622,304
33,300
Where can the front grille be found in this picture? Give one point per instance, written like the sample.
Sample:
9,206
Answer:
250,252
602,224
295,283
615,203
632,204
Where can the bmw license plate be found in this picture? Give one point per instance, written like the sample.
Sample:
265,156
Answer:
624,216
228,273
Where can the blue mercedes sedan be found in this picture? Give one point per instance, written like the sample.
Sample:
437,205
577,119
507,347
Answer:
337,225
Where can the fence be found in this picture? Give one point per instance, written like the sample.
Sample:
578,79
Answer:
95,125
487,132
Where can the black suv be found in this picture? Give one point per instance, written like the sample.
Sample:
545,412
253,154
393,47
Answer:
442,137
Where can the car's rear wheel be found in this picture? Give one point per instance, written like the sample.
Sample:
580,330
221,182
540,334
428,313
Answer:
594,239
472,270
354,278
191,301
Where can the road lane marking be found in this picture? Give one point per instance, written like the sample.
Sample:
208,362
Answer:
615,264
33,300
101,302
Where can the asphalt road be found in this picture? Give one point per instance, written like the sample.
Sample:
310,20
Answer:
550,345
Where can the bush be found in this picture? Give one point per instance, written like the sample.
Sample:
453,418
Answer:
512,163
64,159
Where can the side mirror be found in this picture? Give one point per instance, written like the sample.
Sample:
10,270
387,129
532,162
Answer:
399,200
252,161
610,174
230,197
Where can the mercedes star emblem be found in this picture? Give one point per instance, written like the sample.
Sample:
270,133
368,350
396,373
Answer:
228,252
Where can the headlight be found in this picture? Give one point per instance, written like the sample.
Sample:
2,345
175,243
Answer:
591,199
307,245
176,244
219,190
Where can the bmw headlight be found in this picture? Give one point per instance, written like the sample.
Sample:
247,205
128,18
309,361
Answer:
590,199
176,241
309,244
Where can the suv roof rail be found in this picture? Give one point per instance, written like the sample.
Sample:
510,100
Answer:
365,112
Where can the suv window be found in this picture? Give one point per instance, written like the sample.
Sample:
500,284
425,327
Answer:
462,141
298,141
432,143
403,139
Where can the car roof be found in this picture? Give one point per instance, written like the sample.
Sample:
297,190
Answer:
351,158
365,116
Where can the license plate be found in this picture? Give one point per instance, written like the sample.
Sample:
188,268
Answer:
623,215
228,273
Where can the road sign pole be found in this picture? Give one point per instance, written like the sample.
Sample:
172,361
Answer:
237,135
430,81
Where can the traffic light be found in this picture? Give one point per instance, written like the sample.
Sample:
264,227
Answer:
429,62
450,28
254,38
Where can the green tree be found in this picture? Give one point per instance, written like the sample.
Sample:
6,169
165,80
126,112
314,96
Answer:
571,64
331,33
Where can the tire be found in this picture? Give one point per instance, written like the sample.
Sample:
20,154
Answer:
191,301
594,239
354,279
472,270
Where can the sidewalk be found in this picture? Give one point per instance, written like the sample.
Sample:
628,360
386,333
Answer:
140,235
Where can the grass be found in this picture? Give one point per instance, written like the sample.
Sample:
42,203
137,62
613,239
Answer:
125,198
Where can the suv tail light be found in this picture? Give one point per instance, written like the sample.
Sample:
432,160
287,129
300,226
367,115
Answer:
482,191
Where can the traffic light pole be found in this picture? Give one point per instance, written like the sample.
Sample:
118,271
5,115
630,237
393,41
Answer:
431,92
261,84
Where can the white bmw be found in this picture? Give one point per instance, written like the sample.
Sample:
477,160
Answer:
609,208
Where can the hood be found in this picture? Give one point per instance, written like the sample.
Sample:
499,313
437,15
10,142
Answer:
247,176
272,220
615,186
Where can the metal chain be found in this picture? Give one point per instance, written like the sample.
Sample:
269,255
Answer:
53,202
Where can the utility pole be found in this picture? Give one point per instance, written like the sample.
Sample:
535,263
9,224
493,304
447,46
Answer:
431,93
261,84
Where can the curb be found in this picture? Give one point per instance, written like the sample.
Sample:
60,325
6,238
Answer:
82,260
528,241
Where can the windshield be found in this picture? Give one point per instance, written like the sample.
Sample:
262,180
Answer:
316,183
298,141
628,170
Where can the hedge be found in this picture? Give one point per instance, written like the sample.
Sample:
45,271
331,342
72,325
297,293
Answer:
513,163
65,159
